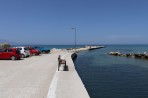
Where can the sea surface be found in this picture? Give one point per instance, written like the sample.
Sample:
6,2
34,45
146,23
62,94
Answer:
106,76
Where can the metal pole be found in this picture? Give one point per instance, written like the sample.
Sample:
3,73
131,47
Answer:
75,39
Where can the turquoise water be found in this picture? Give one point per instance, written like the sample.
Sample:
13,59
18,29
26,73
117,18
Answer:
106,76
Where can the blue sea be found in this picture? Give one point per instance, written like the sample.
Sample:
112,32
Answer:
107,76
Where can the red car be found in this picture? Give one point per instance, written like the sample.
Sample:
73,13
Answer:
11,54
34,51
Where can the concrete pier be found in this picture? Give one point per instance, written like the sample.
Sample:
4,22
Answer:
37,77
67,84
85,48
95,47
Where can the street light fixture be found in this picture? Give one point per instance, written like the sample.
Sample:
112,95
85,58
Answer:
75,38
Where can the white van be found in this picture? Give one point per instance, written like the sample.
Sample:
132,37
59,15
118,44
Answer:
24,51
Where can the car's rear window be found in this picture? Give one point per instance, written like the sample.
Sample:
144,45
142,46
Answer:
17,51
9,50
26,49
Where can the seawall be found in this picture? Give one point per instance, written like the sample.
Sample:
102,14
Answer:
74,56
67,84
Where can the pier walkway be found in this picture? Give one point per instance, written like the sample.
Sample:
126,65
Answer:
37,77
67,84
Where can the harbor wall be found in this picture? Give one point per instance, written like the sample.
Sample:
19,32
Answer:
67,84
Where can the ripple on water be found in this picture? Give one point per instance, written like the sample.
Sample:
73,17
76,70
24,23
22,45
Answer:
113,77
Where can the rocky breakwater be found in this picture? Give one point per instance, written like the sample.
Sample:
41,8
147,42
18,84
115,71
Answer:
135,55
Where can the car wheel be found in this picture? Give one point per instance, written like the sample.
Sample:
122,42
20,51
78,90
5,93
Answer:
22,55
12,58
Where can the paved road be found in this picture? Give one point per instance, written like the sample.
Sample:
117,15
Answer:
28,78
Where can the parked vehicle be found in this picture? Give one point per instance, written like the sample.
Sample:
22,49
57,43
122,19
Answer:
43,49
24,51
11,53
33,51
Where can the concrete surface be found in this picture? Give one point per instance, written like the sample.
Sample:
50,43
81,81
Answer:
37,77
28,78
67,84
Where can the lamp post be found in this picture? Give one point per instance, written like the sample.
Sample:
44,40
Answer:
75,38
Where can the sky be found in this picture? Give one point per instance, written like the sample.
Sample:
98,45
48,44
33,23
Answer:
49,22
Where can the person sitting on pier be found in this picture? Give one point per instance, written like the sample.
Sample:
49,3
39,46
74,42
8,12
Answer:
59,58
61,61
